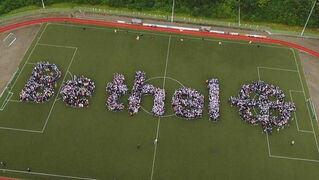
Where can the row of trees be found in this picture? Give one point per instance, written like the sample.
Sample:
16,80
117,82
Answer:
290,12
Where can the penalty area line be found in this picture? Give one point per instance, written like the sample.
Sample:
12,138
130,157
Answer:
57,95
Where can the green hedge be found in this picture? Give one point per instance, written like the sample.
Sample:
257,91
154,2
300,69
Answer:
289,12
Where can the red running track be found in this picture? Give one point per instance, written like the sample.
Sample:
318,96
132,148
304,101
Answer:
120,25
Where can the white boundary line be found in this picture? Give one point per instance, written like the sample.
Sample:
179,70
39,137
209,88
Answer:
45,174
16,101
159,118
279,69
53,45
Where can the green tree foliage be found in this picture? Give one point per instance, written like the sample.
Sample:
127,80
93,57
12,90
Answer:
290,12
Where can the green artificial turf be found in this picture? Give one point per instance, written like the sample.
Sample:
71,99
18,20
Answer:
93,142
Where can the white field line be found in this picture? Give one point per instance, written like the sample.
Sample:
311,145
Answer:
53,45
10,34
12,42
9,82
313,129
159,118
278,69
16,101
162,77
46,174
293,158
29,63
4,104
305,131
70,74
168,35
269,153
3,92
258,71
294,112
23,130
57,95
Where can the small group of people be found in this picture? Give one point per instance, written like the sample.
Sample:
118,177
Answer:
115,90
40,87
188,103
75,92
214,103
266,107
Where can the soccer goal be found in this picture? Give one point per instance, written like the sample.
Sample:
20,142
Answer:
9,40
312,109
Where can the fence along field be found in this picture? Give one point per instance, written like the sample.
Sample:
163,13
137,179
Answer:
98,139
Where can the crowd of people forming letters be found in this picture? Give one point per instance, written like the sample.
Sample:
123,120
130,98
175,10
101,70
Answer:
214,103
186,102
75,92
140,88
40,86
267,118
115,90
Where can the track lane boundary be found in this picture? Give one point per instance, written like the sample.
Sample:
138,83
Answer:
132,26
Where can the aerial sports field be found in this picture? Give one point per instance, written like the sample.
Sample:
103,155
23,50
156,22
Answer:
59,141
